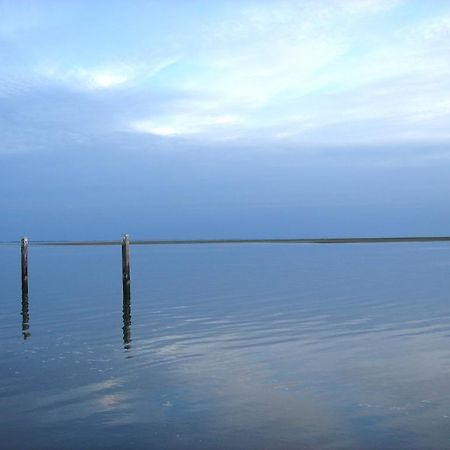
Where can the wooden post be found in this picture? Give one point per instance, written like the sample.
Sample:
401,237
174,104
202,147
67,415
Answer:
24,265
126,291
126,264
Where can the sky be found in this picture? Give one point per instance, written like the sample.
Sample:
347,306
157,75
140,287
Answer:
326,97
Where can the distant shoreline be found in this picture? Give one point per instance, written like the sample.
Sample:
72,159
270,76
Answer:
357,240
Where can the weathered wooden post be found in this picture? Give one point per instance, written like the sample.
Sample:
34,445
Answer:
24,264
126,291
24,270
126,265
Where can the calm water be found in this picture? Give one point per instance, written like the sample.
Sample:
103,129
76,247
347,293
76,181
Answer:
229,347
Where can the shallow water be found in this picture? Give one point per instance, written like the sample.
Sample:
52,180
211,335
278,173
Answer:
229,347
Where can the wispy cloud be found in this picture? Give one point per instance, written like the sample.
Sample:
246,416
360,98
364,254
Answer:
80,77
184,125
301,69
107,76
348,70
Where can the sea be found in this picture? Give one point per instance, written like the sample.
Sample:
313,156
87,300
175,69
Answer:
227,346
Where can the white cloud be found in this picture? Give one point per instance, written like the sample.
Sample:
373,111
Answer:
296,69
183,125
86,78
248,61
292,69
104,77
98,79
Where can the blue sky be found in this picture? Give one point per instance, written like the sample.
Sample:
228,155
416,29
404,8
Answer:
347,71
225,109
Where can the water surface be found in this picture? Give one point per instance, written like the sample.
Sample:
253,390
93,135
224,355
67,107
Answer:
228,347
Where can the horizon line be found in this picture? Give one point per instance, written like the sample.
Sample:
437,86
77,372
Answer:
335,240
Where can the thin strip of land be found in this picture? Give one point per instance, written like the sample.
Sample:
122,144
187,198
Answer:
345,240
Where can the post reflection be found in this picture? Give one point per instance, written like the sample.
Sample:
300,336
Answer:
126,318
25,316
126,314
